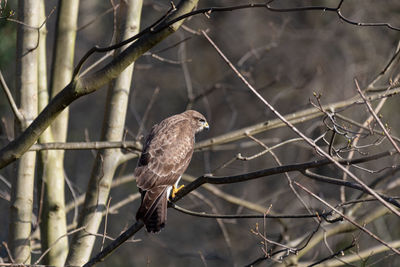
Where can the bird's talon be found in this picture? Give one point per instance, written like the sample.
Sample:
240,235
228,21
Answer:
175,190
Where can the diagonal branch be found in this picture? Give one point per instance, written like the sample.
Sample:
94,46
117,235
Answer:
371,110
10,99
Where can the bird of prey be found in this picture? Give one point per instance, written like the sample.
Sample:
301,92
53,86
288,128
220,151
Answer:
166,154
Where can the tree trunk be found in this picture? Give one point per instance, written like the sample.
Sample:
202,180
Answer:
53,216
107,160
27,86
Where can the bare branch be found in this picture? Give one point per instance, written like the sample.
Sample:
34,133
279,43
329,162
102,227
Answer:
334,255
97,145
100,16
8,252
55,243
14,108
371,110
146,113
248,216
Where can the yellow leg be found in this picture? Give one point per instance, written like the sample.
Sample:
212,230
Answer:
175,190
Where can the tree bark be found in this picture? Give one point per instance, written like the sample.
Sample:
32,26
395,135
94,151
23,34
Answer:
53,216
27,88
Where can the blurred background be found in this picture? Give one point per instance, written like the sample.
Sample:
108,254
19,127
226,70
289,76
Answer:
286,56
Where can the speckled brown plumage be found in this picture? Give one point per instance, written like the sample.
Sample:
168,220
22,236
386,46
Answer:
166,155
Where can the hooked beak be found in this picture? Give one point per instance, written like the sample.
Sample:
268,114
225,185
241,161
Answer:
206,126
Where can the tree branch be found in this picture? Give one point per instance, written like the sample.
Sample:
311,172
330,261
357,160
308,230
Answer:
14,107
97,145
371,110
245,216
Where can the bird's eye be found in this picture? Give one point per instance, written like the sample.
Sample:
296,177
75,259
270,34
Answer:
202,120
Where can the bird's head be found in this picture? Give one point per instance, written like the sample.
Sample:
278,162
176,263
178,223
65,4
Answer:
199,122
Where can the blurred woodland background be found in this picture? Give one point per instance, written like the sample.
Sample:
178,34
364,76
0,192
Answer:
305,62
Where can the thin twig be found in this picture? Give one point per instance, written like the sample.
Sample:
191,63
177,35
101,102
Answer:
55,242
186,73
10,99
334,255
105,224
166,60
305,241
172,46
146,113
100,16
371,110
393,61
74,198
346,119
96,63
34,28
355,142
264,237
8,252
5,181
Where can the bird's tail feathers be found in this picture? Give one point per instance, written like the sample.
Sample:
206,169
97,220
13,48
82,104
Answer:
153,215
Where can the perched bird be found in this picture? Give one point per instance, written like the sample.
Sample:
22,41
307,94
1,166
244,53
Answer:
166,154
